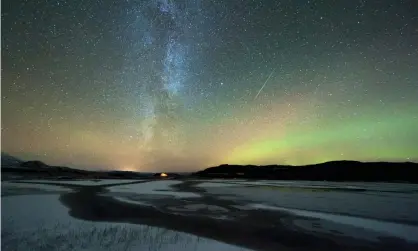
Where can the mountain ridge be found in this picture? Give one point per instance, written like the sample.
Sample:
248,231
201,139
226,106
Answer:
340,170
343,170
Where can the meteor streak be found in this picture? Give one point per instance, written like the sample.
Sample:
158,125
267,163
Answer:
265,82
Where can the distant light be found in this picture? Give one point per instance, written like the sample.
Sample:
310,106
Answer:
128,168
163,175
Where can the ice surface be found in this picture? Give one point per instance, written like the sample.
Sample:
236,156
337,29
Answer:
154,187
5,186
217,184
127,200
40,222
387,206
372,186
89,182
403,231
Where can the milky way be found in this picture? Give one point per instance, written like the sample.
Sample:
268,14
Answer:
182,85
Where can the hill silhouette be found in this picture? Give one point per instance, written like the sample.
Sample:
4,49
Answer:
8,160
12,167
329,171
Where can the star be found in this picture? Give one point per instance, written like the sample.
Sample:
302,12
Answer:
184,85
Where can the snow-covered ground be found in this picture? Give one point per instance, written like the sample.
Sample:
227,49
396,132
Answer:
360,210
40,222
162,187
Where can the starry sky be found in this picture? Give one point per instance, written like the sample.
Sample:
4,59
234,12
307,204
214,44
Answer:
183,85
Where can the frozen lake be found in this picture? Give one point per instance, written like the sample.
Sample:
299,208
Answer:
385,201
207,214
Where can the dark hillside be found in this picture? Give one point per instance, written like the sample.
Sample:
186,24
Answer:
330,171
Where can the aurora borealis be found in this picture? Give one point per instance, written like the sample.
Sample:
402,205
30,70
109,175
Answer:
182,85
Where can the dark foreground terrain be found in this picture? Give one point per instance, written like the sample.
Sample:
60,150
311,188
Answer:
220,212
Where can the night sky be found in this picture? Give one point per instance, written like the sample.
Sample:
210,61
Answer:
183,85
